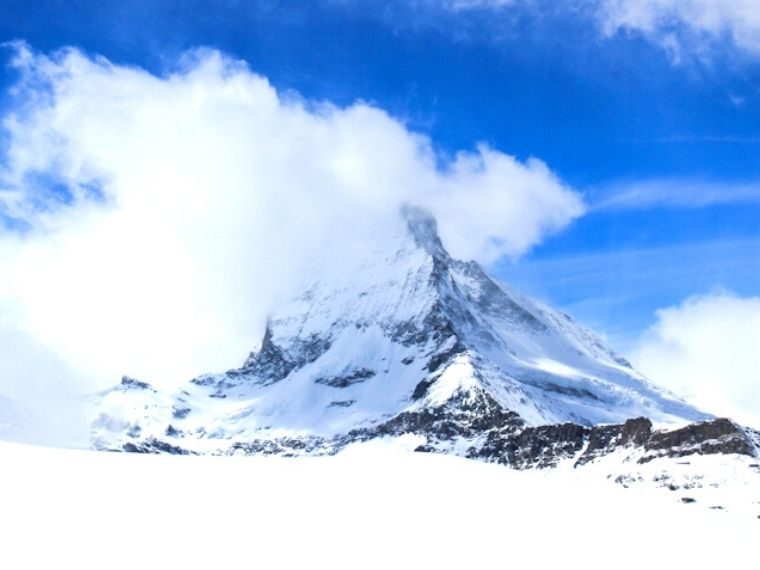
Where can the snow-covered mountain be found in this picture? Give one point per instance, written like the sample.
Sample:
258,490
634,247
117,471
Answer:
407,340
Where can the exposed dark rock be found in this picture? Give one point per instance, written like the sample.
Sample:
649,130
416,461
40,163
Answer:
132,383
542,446
269,363
341,403
604,439
464,415
628,480
153,445
134,430
286,446
180,413
421,389
445,356
204,380
305,350
435,327
704,438
354,377
570,391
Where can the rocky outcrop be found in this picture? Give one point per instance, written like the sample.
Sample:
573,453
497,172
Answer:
466,416
153,445
604,439
271,363
546,446
474,422
543,446
704,438
347,380
128,383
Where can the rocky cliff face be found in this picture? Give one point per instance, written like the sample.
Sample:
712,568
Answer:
410,342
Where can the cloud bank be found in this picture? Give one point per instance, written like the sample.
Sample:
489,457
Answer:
149,222
706,350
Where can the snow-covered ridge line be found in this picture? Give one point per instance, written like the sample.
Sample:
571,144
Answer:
474,425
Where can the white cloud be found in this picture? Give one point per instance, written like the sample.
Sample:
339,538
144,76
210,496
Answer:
39,395
706,350
665,21
162,215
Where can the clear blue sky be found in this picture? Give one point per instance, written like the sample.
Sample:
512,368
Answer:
666,151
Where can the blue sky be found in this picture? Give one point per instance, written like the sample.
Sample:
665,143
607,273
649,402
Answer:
612,115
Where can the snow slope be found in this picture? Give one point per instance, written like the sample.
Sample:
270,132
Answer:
402,328
13,420
372,506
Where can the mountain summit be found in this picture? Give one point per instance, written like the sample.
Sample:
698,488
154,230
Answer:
408,340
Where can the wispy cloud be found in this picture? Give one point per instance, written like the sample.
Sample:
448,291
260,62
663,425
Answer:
690,24
675,193
617,291
461,5
681,27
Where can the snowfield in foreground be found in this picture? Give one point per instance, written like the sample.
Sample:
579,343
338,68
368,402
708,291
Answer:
371,506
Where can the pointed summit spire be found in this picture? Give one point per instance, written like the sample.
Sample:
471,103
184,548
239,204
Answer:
424,229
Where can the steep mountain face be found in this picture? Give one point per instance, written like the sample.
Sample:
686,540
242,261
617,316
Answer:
411,341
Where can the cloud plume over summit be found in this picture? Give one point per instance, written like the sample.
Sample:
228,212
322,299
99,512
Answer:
148,222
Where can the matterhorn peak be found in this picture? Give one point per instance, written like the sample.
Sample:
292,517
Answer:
412,343
424,229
